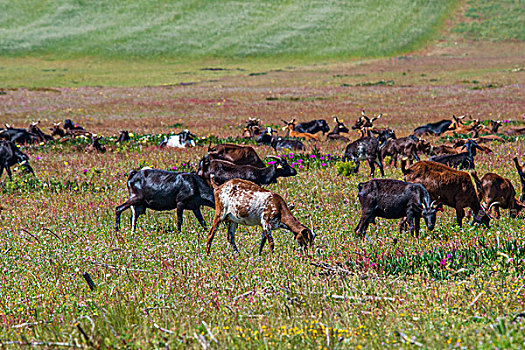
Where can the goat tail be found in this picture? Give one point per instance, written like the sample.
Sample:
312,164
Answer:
212,182
518,167
477,181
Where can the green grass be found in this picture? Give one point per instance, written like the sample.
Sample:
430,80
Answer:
199,28
493,20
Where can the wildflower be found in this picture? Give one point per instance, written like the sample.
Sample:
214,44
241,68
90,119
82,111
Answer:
37,158
85,171
174,168
312,156
323,164
272,162
300,166
322,158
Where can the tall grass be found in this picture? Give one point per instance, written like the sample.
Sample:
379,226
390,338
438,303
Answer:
199,28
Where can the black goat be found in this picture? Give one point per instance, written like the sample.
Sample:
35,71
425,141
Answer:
313,126
338,129
124,136
368,148
18,136
11,155
223,171
165,190
394,199
278,143
436,128
463,160
69,125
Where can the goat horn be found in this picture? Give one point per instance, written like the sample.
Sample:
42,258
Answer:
363,112
273,157
493,204
434,203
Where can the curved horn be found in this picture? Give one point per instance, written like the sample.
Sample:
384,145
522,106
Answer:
273,157
433,204
493,204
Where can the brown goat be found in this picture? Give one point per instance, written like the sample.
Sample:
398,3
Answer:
95,146
289,128
497,191
243,202
237,154
453,188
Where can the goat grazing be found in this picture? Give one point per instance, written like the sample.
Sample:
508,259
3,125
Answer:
237,154
463,160
394,199
369,149
95,146
451,187
10,155
243,202
497,191
162,190
223,171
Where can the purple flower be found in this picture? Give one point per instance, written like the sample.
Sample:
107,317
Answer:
448,256
323,164
443,262
300,166
85,171
299,160
312,156
183,164
272,162
37,158
322,158
290,156
506,121
174,168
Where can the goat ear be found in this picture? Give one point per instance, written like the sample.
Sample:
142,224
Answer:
363,112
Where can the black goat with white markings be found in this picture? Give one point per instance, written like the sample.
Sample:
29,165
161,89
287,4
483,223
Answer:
224,171
394,199
162,190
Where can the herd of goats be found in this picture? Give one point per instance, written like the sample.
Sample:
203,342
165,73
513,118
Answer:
230,176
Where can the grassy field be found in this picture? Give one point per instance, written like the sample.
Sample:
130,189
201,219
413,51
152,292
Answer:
453,288
158,67
198,28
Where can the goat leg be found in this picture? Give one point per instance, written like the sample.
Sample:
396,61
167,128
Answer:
214,227
198,215
180,215
232,227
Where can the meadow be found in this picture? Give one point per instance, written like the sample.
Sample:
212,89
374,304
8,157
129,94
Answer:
453,287
109,68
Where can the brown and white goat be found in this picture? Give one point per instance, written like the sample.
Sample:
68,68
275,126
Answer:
498,192
290,131
365,122
243,202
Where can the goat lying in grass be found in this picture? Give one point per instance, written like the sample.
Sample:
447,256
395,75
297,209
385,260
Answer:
243,202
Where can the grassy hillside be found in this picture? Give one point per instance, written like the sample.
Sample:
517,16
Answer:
493,20
207,28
